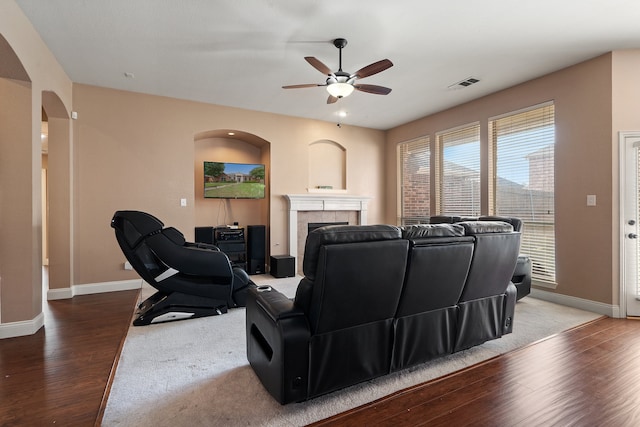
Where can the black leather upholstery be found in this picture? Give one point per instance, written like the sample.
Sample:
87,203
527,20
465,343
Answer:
522,275
492,266
377,299
427,312
192,280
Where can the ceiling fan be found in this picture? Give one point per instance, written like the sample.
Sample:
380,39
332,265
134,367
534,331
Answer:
340,84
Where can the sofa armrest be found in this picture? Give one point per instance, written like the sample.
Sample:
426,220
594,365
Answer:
275,304
278,344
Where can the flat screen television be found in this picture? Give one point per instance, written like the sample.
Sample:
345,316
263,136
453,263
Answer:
223,180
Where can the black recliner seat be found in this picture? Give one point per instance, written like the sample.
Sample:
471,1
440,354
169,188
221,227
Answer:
192,279
521,277
439,260
339,329
488,288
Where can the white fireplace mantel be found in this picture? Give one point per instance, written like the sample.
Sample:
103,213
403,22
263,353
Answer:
321,202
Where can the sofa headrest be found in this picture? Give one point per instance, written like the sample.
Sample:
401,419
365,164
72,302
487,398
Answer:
333,234
482,227
432,230
515,222
450,219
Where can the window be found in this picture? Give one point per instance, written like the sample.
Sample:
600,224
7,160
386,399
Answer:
414,169
522,146
459,171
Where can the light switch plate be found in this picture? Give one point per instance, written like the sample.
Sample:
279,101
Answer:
591,200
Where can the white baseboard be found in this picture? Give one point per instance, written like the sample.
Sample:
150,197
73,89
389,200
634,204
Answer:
63,293
93,288
581,303
22,328
102,287
30,327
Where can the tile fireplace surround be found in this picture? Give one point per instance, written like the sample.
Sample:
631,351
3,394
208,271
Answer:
306,208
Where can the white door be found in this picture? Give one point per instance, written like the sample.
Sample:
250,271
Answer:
630,215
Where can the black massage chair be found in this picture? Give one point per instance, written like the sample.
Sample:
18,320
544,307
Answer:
192,279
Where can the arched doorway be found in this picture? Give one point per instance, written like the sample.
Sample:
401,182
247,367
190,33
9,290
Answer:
57,196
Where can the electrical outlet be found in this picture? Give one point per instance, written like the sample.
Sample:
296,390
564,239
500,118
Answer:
127,265
183,202
591,200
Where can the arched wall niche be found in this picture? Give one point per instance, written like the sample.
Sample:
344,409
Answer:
327,165
234,146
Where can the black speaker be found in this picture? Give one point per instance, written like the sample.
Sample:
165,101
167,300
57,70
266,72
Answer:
256,249
205,234
283,266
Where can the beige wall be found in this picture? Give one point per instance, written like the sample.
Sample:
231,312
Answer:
135,151
586,237
28,71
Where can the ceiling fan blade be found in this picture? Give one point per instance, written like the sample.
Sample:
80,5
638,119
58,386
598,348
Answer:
331,99
376,90
301,86
374,68
318,65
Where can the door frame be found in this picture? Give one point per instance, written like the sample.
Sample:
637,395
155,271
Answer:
622,138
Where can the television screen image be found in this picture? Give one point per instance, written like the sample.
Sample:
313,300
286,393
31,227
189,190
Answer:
233,180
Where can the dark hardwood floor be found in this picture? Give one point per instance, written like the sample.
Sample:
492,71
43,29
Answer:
588,376
58,376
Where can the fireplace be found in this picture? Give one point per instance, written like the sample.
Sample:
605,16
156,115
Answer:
313,225
320,208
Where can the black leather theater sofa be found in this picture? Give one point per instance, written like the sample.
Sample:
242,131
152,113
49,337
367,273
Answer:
378,299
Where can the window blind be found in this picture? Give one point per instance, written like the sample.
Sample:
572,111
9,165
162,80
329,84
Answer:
415,181
459,171
523,147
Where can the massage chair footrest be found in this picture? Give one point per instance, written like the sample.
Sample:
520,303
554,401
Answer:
163,307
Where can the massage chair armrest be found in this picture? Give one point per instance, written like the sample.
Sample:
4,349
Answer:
191,260
278,344
200,245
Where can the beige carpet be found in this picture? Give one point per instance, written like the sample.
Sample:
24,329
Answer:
195,372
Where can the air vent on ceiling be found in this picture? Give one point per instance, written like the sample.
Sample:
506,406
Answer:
464,83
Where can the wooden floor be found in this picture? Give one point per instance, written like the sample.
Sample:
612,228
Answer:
58,376
588,376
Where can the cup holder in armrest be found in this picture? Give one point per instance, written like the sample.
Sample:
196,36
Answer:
264,288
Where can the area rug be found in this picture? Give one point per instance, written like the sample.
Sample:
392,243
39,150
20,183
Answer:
195,372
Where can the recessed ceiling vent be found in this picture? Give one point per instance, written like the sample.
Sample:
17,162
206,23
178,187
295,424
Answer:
464,83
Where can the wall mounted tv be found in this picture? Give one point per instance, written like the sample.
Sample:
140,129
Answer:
224,180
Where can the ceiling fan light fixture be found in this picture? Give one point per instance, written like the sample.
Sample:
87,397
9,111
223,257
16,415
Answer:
340,90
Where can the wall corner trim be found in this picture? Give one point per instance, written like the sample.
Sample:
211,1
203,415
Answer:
575,302
22,328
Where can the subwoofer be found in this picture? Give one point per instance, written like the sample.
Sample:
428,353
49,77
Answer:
205,235
256,249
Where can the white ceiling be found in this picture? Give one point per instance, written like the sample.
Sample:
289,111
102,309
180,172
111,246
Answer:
241,52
